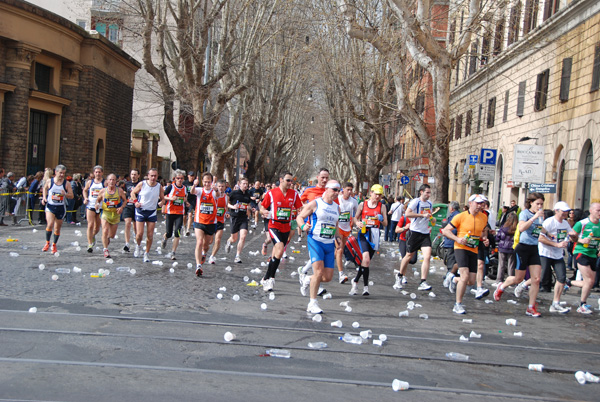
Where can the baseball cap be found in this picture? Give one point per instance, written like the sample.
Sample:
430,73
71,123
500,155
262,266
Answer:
377,189
191,173
563,206
478,198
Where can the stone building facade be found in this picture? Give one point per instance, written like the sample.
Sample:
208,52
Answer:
531,78
65,95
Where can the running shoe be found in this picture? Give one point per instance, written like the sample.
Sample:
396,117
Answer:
343,277
321,291
198,269
264,249
305,285
267,284
299,239
584,309
53,249
459,309
557,308
452,287
237,259
126,247
146,257
163,244
424,286
365,291
404,280
106,253
173,256
212,259
284,256
398,283
46,246
313,308
498,293
519,289
481,292
187,234
354,289
203,259
448,278
228,247
90,248
136,252
532,311
301,275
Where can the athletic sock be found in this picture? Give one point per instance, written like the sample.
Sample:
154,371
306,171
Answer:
48,235
56,236
273,265
366,276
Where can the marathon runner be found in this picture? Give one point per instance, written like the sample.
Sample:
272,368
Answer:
174,210
239,203
111,200
54,193
190,206
348,208
90,194
129,210
205,218
222,214
256,196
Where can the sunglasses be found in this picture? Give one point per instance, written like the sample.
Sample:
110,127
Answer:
335,189
288,180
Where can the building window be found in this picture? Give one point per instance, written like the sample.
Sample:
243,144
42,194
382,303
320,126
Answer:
451,129
531,14
113,33
485,46
420,103
588,167
541,90
479,117
101,29
458,128
473,61
468,123
491,116
452,32
560,181
550,8
505,115
565,79
457,72
82,23
521,99
596,70
499,37
43,77
515,17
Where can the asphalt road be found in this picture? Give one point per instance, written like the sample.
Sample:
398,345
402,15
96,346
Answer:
157,335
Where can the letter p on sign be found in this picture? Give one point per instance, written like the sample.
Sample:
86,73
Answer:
488,156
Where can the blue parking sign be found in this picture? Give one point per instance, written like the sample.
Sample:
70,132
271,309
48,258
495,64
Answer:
488,156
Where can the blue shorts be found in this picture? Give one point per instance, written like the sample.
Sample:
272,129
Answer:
321,252
59,211
145,215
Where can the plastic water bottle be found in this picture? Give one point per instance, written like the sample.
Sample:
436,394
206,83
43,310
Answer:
457,356
589,377
62,270
279,353
317,345
349,338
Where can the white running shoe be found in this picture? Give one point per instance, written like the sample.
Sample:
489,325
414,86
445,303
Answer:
481,292
237,259
398,283
458,309
313,308
301,275
321,291
146,257
365,291
305,285
228,247
284,256
404,280
173,258
136,252
448,278
212,259
343,277
557,308
354,289
519,289
424,286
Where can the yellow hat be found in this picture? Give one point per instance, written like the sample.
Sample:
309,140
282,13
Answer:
377,189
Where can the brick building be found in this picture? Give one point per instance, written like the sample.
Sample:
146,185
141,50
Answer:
65,95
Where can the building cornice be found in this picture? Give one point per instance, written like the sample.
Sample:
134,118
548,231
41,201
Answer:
56,100
6,87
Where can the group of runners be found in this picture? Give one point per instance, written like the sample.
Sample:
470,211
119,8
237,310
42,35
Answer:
327,213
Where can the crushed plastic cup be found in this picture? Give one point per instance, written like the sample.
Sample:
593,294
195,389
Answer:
348,309
219,296
132,271
344,303
382,337
366,334
404,292
175,264
467,320
110,261
327,296
236,298
536,367
157,262
123,269
518,334
76,270
263,306
317,345
423,316
474,334
228,268
62,270
271,296
463,338
54,277
413,296
41,267
488,301
511,321
398,385
13,254
33,310
403,313
377,342
171,270
75,243
355,324
317,318
337,323
589,377
512,301
579,376
431,294
189,265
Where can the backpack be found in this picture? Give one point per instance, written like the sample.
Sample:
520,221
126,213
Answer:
352,251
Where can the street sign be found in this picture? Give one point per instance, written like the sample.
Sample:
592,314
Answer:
472,161
417,177
488,156
405,180
486,172
548,188
529,165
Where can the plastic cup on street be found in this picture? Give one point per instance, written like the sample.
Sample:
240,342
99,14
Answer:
228,336
589,377
467,320
33,310
511,321
271,296
54,277
263,306
317,318
382,337
132,271
337,323
536,367
41,267
518,334
403,313
377,342
398,385
236,298
348,309
189,265
580,376
171,270
219,296
413,296
355,324
366,334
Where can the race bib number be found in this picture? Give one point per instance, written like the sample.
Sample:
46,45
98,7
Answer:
473,241
371,221
207,208
344,217
57,197
284,214
594,242
327,231
561,235
95,192
220,211
178,202
112,203
537,229
243,206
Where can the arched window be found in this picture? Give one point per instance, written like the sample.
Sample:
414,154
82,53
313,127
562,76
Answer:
560,181
100,152
588,165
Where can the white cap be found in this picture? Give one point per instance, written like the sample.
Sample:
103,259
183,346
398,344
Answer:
563,206
478,198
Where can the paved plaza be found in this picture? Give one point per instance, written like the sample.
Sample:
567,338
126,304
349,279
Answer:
157,335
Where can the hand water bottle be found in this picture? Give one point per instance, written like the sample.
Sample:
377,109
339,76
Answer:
349,338
457,356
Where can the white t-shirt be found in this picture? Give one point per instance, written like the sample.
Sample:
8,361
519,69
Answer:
397,209
418,206
347,212
559,231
